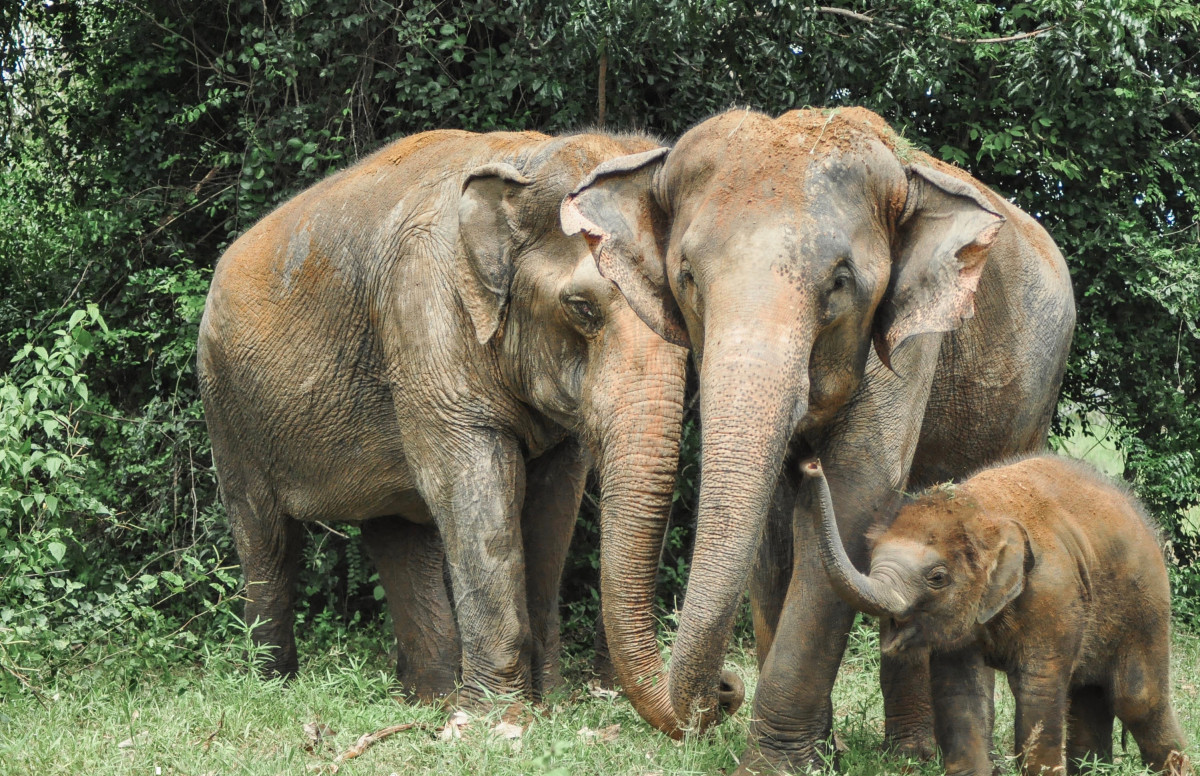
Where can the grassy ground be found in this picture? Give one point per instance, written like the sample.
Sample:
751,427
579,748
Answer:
218,719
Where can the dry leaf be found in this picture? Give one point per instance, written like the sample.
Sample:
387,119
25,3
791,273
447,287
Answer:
507,730
596,691
137,740
606,734
316,733
454,725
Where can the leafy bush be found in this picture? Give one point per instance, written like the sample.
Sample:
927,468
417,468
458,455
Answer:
141,137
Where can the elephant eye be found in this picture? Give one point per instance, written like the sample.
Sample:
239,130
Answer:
938,577
685,274
843,278
584,312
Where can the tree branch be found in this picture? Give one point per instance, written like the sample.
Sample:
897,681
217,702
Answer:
871,20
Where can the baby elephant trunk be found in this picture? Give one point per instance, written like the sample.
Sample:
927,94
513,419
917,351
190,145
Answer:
866,594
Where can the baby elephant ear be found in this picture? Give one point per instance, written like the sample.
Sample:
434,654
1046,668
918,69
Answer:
943,240
616,211
1006,577
486,227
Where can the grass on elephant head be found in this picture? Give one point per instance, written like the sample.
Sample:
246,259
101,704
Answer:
217,718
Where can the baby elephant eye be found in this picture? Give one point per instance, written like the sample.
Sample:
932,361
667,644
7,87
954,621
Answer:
938,577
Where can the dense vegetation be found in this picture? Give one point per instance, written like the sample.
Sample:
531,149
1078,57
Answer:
139,137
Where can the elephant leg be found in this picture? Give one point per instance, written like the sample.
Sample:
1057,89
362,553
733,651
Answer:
602,667
268,544
553,489
963,704
866,455
1089,727
772,572
409,559
1040,690
793,710
474,486
1141,696
908,725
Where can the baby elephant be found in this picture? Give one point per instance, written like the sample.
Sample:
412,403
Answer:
1041,568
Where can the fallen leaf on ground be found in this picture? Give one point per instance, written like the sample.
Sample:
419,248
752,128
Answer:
137,740
367,740
606,734
454,725
316,733
507,730
596,691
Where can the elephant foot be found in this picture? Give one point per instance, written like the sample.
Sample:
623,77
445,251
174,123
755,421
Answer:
823,757
919,747
505,708
550,685
286,669
431,687
606,675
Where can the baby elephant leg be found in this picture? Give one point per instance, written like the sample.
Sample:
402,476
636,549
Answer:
962,689
409,559
1040,689
1089,727
1142,700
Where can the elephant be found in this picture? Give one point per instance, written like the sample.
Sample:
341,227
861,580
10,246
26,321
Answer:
1040,568
846,296
413,345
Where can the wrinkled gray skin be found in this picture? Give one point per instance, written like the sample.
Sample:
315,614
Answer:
415,346
779,250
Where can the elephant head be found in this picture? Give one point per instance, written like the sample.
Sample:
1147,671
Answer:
945,567
779,250
571,346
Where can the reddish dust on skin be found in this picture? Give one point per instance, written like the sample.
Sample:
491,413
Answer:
793,141
780,152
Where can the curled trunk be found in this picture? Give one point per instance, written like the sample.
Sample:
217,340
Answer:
864,593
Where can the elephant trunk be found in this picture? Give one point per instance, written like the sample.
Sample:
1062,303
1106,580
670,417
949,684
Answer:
638,451
753,390
864,593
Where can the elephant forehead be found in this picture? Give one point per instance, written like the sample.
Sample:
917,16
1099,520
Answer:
752,161
906,550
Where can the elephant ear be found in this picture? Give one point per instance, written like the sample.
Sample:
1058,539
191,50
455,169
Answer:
616,210
944,236
1006,576
486,226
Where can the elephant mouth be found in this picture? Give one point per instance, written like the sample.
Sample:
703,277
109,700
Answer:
897,634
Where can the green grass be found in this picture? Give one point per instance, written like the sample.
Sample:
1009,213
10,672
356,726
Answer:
115,720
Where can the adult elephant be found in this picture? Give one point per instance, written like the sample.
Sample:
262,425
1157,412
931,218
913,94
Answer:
414,345
780,250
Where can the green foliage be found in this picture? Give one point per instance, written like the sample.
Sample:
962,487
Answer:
58,601
140,137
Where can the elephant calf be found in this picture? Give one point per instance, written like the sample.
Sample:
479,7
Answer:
1040,568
